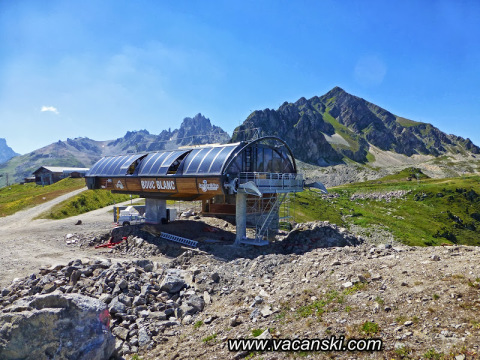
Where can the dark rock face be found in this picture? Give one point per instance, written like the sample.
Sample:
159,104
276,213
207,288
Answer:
193,131
308,126
67,326
6,152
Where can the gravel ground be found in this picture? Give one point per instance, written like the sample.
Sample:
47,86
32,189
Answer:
317,281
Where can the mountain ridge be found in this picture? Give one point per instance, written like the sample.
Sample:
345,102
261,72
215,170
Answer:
84,152
355,124
331,129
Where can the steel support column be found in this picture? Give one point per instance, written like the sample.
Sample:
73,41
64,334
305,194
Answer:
241,217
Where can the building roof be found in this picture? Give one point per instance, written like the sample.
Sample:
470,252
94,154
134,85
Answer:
61,169
204,160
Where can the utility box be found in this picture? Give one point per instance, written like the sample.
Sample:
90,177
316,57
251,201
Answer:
171,214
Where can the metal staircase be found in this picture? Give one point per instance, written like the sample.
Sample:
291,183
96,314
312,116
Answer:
265,211
263,229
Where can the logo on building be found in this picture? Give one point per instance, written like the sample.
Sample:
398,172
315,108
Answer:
205,186
119,185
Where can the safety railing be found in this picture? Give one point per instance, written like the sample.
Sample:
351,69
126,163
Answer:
274,182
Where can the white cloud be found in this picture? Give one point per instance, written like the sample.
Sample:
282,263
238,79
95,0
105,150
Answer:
49,108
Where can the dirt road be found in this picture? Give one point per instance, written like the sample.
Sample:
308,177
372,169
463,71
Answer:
27,244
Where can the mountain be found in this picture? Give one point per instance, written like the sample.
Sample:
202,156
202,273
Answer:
6,152
337,126
84,152
193,131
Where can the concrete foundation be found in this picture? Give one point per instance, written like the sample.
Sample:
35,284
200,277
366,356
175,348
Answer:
241,217
155,210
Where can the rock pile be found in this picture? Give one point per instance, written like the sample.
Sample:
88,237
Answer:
58,326
387,196
143,298
317,234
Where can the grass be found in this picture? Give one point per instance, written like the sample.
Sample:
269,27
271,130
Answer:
406,122
327,302
345,132
435,211
370,157
87,201
19,197
433,354
408,173
209,338
369,328
198,324
257,332
403,352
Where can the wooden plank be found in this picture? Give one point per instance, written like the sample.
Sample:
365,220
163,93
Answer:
221,209
187,186
133,184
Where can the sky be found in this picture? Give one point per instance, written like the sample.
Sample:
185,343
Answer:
98,69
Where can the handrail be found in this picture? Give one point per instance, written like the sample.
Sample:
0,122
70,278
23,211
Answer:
273,181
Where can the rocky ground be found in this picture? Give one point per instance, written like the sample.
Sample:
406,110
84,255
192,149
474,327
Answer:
319,280
387,163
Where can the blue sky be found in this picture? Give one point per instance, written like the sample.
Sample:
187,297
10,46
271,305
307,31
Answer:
101,68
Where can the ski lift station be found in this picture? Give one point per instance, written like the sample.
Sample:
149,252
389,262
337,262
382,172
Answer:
247,179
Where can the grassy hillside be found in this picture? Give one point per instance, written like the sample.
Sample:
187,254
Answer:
18,197
432,212
24,165
87,201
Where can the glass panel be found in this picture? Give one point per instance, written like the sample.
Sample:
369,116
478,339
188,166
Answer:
115,167
221,159
169,160
148,162
106,164
154,165
189,159
236,166
96,166
194,164
259,165
268,159
208,159
277,162
126,165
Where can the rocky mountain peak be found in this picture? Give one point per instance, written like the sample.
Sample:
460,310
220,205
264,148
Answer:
199,130
6,152
327,129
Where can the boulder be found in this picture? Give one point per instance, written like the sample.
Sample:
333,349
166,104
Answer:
172,282
56,326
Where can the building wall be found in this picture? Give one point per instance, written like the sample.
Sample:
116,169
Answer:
46,177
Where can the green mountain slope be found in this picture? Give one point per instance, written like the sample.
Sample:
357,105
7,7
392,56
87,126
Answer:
416,212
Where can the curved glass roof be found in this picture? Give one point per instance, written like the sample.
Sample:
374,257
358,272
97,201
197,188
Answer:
268,154
113,165
157,164
209,160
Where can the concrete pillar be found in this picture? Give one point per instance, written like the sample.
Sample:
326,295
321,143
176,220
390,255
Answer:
155,210
241,217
